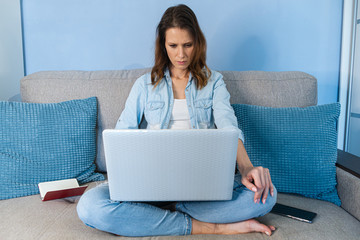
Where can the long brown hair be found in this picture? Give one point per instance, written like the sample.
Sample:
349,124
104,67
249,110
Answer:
181,16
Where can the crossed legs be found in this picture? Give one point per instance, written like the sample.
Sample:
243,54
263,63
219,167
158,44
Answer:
96,210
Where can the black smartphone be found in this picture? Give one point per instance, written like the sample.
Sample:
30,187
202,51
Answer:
294,213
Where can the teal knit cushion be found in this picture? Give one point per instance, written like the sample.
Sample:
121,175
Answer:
46,142
298,145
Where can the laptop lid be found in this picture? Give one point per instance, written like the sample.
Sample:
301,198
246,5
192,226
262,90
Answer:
170,165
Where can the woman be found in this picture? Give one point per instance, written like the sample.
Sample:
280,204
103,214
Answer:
181,92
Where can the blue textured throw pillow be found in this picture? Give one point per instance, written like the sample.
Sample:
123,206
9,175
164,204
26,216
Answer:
298,145
42,142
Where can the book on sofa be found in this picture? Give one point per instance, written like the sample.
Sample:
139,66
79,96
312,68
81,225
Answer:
60,189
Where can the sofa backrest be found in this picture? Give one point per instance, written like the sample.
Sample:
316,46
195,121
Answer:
111,87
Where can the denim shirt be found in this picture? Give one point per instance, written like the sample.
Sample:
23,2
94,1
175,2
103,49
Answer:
208,107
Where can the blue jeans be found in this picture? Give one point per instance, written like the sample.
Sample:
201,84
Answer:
137,219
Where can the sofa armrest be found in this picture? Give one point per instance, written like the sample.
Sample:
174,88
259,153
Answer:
348,179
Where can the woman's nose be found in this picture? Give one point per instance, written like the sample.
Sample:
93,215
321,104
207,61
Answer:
181,52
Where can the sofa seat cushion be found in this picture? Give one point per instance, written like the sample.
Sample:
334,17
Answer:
30,218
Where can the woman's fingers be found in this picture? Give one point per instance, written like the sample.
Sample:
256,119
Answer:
260,183
247,182
259,178
267,185
271,186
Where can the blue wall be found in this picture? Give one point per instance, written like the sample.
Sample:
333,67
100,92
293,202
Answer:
269,35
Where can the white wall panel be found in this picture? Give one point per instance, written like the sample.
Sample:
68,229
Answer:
354,136
11,54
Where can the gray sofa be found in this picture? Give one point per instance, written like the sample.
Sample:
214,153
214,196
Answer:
30,218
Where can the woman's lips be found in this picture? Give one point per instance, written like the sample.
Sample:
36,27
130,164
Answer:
181,62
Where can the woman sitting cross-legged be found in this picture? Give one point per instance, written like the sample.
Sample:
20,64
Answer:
179,79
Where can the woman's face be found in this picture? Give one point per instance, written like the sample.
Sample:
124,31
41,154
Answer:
179,46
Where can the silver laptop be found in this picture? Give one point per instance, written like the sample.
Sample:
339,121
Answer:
170,165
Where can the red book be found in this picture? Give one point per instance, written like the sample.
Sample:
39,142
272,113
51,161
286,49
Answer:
60,189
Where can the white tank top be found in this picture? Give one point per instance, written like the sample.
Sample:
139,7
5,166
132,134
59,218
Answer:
180,118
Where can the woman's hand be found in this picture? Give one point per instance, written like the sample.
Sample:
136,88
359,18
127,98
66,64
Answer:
258,180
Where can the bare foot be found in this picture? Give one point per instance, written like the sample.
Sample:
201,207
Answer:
231,228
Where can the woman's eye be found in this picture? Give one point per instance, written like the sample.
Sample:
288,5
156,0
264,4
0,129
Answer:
188,45
172,45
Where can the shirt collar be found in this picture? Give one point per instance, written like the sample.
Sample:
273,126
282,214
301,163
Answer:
167,74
